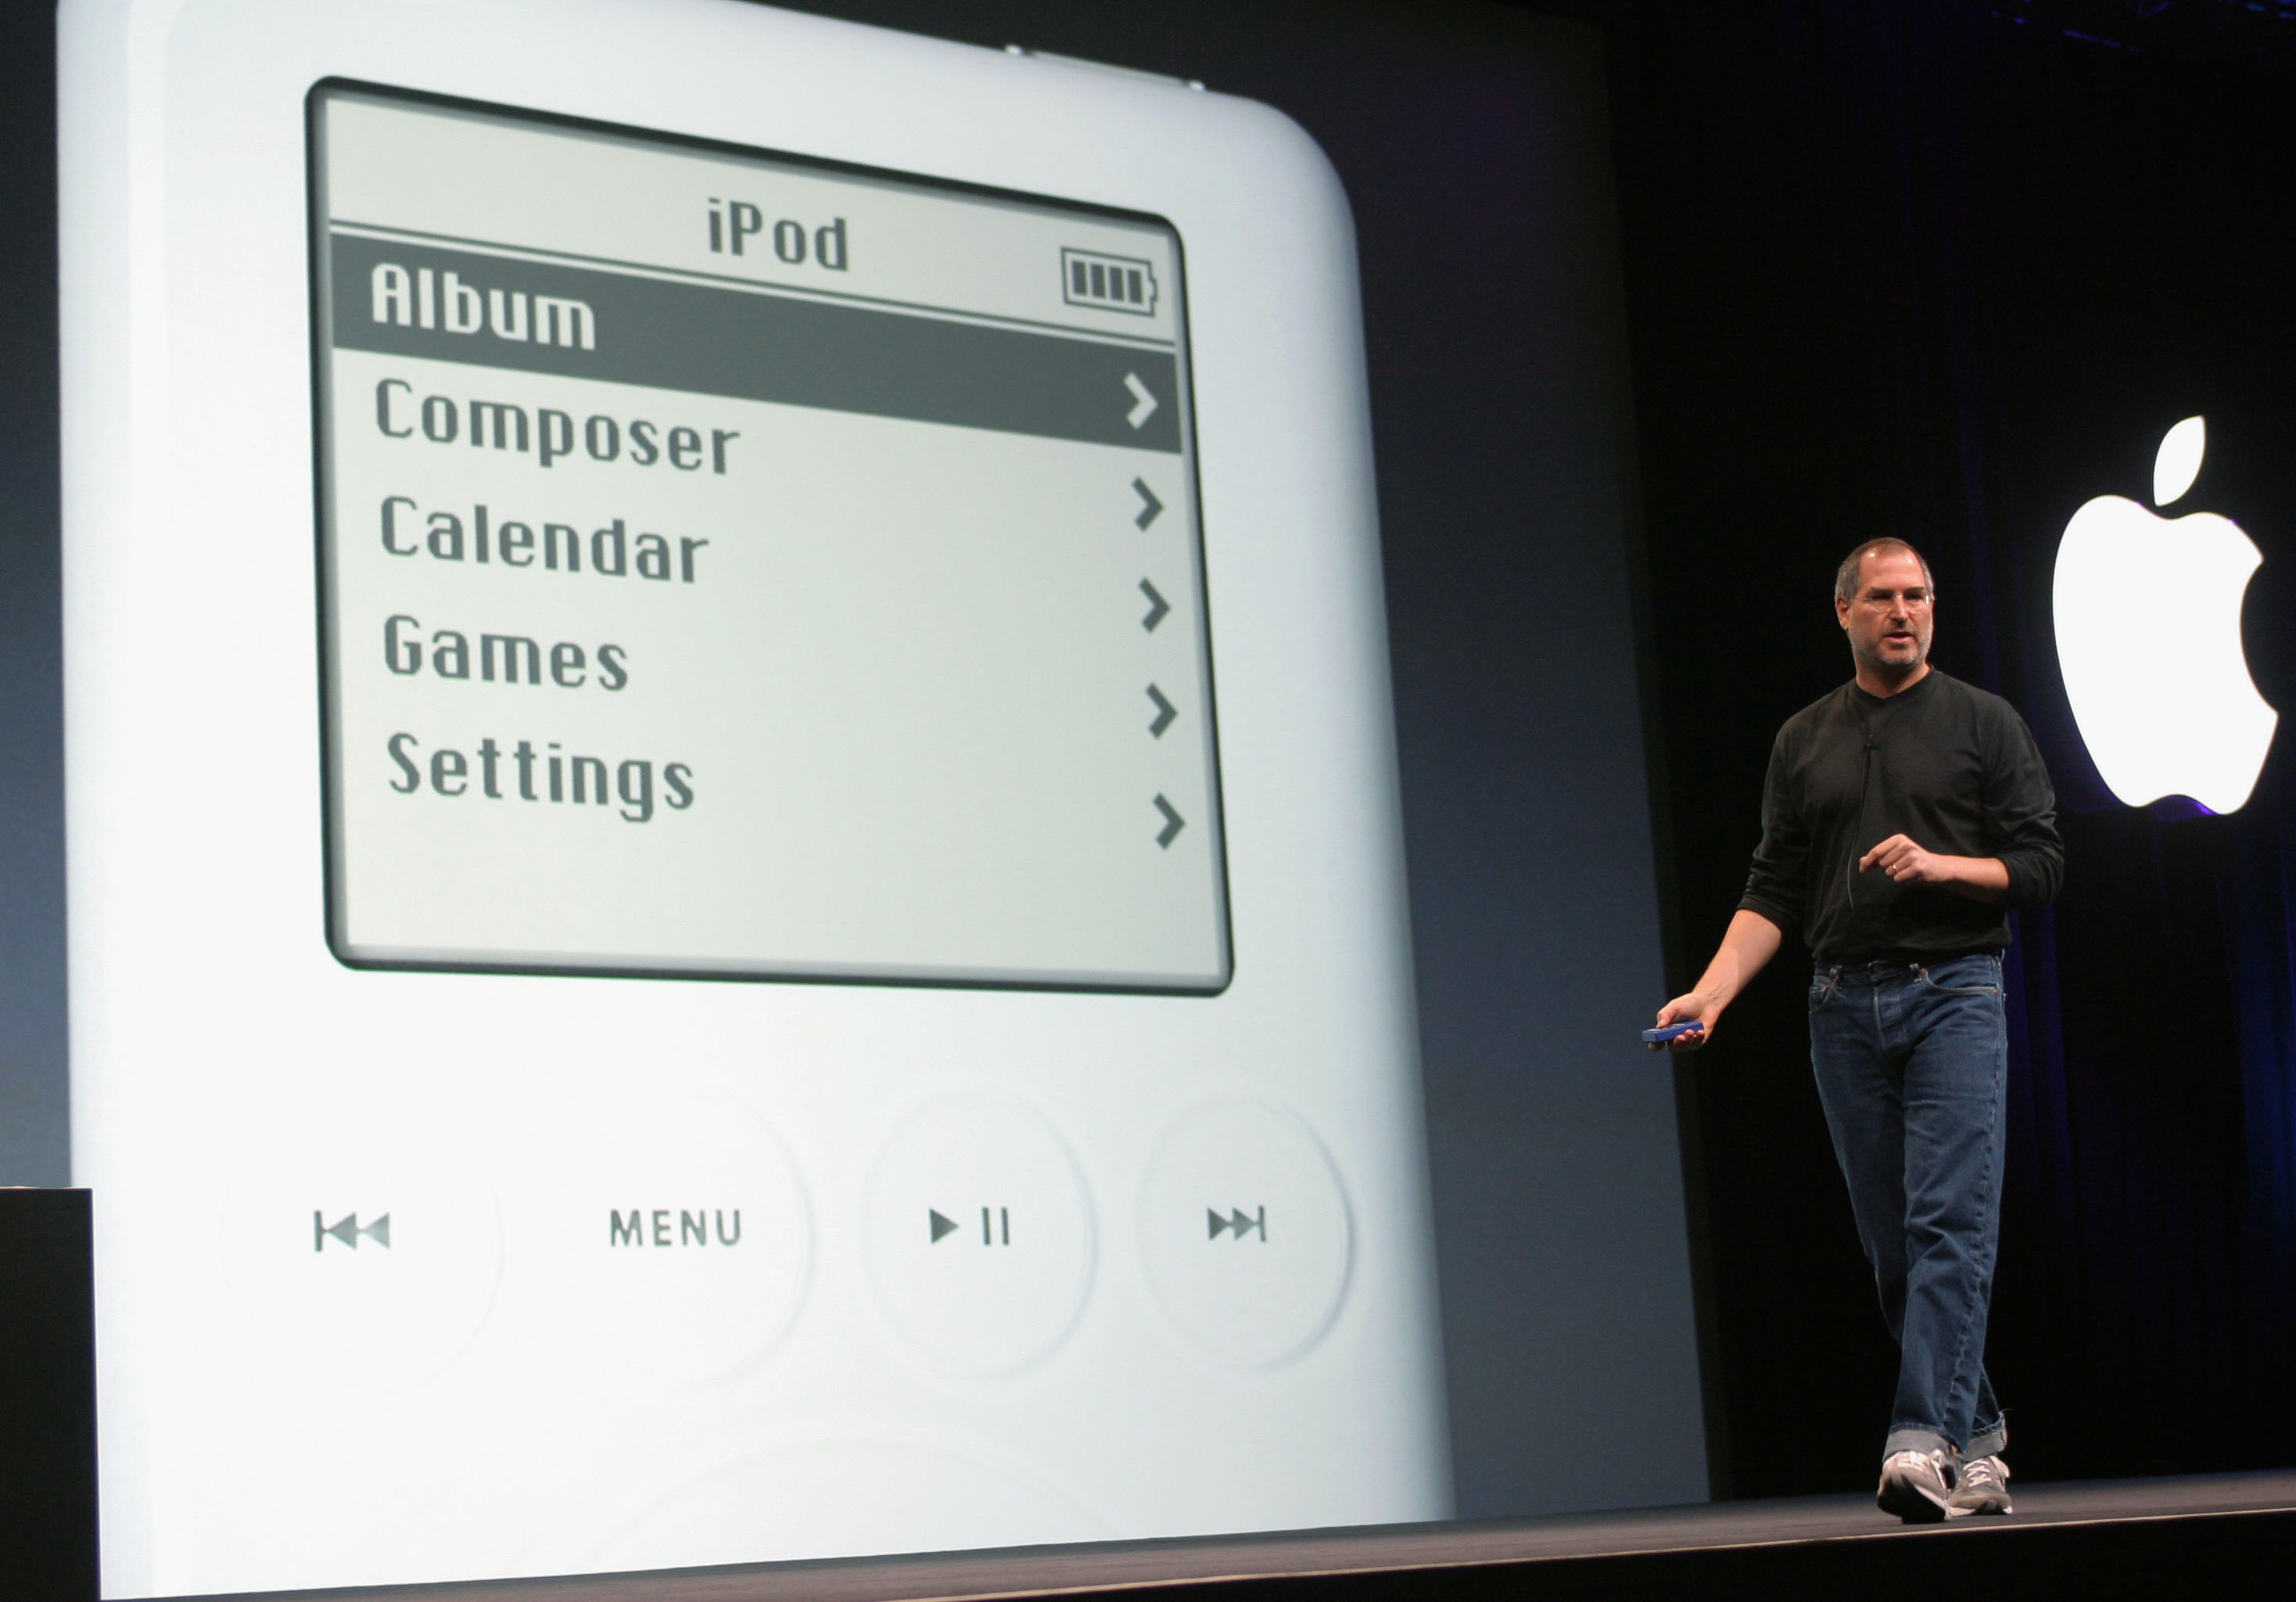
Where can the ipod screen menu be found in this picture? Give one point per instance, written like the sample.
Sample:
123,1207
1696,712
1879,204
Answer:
734,565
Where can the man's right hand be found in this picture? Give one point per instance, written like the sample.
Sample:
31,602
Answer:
1750,941
1693,1008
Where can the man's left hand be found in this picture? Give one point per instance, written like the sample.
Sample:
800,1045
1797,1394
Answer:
1906,862
1978,878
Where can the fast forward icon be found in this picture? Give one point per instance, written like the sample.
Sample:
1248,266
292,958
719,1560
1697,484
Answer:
1236,1225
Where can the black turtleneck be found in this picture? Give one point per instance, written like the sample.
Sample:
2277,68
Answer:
1943,762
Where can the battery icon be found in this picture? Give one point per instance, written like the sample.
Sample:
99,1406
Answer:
1108,283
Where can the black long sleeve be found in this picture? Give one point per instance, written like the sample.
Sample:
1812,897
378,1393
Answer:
1943,762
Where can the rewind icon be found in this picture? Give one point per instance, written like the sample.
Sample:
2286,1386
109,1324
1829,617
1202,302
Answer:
348,1230
1236,1224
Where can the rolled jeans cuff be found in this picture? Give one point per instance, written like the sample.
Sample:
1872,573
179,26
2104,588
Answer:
1991,1441
1917,1440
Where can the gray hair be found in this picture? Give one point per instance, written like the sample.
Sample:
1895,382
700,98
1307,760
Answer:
1845,577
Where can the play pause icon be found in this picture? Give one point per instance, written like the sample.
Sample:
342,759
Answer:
996,1226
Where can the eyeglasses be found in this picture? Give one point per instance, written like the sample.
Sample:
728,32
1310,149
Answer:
1914,598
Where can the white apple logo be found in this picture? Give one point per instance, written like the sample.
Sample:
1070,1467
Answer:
2148,638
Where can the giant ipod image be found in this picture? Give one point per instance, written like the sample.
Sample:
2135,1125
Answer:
734,875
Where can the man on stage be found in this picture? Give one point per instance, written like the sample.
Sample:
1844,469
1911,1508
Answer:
1904,815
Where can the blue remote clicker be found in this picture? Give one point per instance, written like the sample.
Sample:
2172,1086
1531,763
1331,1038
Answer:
1672,1031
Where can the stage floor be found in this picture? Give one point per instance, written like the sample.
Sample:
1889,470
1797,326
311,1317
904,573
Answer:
1348,1559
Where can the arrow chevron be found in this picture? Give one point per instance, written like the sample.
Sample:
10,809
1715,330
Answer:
1173,824
1165,713
1143,404
1157,606
1150,508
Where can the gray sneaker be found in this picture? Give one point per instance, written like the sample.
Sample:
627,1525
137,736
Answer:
1983,1487
1914,1487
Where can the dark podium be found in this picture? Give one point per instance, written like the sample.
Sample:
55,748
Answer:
47,1397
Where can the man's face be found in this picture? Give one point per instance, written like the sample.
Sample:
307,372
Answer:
1889,619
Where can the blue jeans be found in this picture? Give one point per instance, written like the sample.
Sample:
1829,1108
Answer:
1913,1068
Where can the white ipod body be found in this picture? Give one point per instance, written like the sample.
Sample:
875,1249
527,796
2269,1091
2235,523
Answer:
735,880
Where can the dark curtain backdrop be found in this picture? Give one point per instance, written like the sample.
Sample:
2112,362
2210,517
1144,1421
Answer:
32,1009
1916,266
